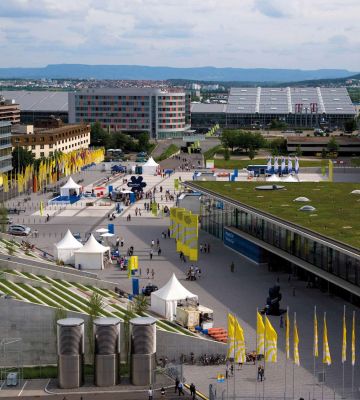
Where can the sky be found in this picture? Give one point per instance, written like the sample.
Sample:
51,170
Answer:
306,34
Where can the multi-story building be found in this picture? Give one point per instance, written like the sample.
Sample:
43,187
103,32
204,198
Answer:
43,142
9,110
164,113
5,147
296,107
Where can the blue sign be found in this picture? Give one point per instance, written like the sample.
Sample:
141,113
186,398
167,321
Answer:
136,184
135,286
111,228
243,246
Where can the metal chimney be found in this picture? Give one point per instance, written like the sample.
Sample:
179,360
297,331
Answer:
107,351
143,350
70,349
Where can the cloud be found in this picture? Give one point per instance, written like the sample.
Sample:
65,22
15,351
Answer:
233,33
271,8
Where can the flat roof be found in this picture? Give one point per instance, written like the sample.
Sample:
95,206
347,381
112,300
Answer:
208,108
38,100
337,214
341,140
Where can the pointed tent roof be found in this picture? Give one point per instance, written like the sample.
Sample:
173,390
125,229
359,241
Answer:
290,178
70,184
93,246
68,242
273,178
173,290
151,163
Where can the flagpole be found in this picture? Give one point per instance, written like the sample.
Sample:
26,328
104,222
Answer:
314,366
256,354
343,361
286,345
235,324
293,377
323,378
352,355
264,358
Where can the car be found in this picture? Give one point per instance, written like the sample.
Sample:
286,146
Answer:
5,221
19,230
147,290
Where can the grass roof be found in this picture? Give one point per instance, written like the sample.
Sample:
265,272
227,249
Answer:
337,212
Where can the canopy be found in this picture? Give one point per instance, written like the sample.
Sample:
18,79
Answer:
273,178
70,188
290,178
150,167
91,255
164,301
64,250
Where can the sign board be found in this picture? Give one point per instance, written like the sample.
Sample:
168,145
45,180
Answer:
210,164
136,183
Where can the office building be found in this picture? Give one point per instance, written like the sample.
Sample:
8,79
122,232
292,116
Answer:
163,113
43,142
37,106
297,107
9,110
5,147
326,257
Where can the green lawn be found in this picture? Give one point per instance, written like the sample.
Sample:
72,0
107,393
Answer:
168,152
337,212
239,164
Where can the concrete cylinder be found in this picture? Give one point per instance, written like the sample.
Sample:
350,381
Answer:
70,350
107,351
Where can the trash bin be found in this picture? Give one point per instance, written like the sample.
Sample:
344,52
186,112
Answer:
12,379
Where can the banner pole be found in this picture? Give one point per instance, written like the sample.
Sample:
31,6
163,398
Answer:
286,328
314,366
352,356
343,361
234,356
256,354
293,377
264,359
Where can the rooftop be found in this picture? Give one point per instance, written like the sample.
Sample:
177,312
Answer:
341,140
38,100
337,213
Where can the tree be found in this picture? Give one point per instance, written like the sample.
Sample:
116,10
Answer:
278,125
3,218
21,158
98,136
350,125
95,306
251,153
143,142
226,154
140,304
229,139
332,146
323,153
298,151
278,147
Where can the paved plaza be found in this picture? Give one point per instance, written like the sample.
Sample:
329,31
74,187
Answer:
241,293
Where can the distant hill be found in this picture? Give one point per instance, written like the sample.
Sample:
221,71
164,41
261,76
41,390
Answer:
140,72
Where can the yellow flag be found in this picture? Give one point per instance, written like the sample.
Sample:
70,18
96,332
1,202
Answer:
353,355
231,336
260,334
41,208
270,342
287,335
240,352
296,343
343,349
326,349
316,336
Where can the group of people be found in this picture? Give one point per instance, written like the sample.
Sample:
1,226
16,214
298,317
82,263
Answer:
193,273
204,247
155,248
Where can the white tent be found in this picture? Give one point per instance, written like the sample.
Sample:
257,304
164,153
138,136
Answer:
273,178
164,301
150,167
64,250
290,178
91,255
70,188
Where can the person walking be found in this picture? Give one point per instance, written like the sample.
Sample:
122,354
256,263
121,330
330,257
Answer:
152,243
192,391
232,267
117,241
177,384
259,373
151,254
201,248
208,247
162,391
147,273
159,251
122,242
181,389
152,274
150,393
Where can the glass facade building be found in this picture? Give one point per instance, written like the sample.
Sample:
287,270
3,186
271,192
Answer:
322,261
5,147
163,113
